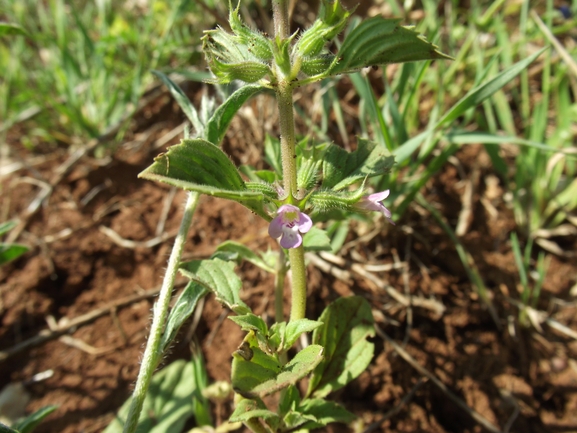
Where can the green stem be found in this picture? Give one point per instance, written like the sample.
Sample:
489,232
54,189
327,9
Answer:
160,312
284,94
279,278
299,283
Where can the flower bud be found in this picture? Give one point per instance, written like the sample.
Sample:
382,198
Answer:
317,65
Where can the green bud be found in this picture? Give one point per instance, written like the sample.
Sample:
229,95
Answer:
331,21
317,65
257,44
244,71
325,200
281,54
265,188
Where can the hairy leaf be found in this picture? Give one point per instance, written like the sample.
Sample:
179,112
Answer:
342,168
219,277
347,323
380,41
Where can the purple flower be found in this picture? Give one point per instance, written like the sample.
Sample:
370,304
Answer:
288,223
373,202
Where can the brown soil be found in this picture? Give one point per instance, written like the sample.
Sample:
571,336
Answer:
514,376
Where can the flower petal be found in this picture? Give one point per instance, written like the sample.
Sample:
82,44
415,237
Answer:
275,228
291,238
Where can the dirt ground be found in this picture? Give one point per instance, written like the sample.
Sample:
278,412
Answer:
89,250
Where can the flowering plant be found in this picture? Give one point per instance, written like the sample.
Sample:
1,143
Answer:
315,180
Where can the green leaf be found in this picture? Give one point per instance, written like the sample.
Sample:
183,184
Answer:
477,95
183,101
198,165
295,328
9,252
289,400
324,412
168,402
247,409
250,322
238,252
316,240
5,227
380,41
347,323
181,311
219,277
6,429
218,124
342,168
12,29
28,424
252,377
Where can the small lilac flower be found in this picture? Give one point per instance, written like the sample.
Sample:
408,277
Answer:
373,202
288,223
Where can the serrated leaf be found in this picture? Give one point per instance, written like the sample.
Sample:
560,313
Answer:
381,41
181,311
316,240
250,322
342,168
251,379
219,277
198,165
168,402
295,328
218,124
347,323
28,424
242,252
183,101
324,412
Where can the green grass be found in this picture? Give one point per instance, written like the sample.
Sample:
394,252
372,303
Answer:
84,65
490,95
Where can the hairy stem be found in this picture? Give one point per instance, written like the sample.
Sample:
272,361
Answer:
160,312
299,283
284,94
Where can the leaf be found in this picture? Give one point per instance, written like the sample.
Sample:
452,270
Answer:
218,124
295,328
324,412
251,378
289,400
247,409
477,95
317,240
12,29
237,252
380,41
183,101
347,323
28,424
250,322
198,165
5,227
9,252
6,429
181,311
342,168
219,277
168,402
